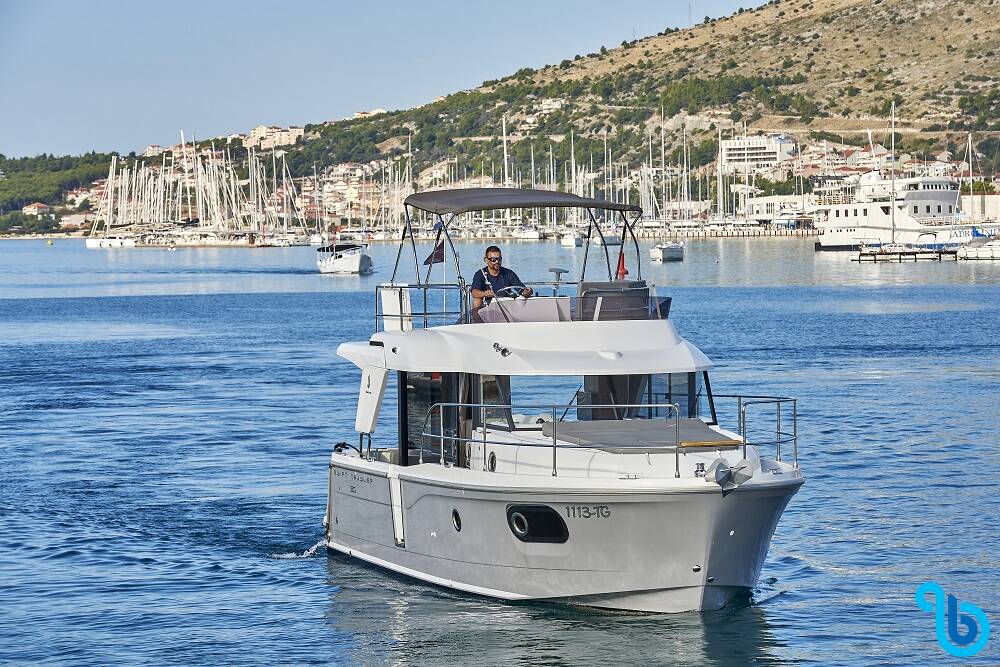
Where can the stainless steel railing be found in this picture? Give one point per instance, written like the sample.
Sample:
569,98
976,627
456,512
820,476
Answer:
781,404
432,305
443,438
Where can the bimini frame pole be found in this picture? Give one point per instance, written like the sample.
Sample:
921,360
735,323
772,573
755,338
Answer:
607,255
407,229
454,253
630,228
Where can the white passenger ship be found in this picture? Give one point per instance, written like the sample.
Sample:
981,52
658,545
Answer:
926,215
561,448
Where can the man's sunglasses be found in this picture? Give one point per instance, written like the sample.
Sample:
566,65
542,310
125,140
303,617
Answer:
494,259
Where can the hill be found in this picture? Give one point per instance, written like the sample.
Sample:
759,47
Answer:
815,68
793,65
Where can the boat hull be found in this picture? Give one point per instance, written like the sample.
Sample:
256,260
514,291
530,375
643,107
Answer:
654,552
354,263
110,242
988,251
667,254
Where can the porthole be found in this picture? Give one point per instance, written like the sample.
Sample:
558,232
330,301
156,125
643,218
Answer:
456,520
519,524
491,462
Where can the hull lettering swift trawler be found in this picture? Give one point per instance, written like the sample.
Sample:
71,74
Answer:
565,447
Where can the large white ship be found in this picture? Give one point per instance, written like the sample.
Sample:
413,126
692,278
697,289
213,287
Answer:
926,214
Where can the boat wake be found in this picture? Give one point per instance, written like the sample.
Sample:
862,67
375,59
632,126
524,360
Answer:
308,553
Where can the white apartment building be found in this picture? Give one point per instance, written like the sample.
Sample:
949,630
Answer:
757,153
271,136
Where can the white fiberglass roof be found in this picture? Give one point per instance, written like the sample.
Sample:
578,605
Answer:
628,347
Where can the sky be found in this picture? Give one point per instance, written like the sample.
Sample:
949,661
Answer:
112,75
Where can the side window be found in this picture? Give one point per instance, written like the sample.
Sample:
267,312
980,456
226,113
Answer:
424,390
495,390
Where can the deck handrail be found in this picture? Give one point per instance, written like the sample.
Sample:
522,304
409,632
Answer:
423,315
671,408
781,437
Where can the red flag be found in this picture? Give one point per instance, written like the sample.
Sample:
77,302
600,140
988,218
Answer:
437,255
622,271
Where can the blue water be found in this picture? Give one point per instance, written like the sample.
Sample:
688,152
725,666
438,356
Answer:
166,418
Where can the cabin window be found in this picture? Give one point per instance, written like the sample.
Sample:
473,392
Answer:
928,208
939,208
949,208
855,213
423,390
836,213
685,389
864,211
494,390
916,209
590,398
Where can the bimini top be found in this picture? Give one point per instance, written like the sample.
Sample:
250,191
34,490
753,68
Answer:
463,200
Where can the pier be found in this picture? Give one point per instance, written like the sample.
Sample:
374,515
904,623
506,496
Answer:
876,256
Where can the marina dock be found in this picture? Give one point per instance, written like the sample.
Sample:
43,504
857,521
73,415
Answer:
876,256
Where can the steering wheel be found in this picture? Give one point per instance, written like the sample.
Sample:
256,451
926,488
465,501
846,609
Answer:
512,291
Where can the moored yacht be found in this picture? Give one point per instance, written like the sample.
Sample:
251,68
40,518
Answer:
571,239
918,212
988,250
668,251
566,447
110,242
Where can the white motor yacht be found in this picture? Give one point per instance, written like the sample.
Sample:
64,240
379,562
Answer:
571,240
920,212
668,251
348,258
988,250
527,233
566,448
110,242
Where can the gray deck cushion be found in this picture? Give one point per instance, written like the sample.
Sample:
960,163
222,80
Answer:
637,434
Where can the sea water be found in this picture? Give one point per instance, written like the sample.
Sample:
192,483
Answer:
166,420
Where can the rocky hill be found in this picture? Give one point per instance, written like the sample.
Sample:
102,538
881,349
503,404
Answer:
806,66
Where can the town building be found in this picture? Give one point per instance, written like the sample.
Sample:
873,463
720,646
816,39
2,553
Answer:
368,114
756,153
267,137
36,209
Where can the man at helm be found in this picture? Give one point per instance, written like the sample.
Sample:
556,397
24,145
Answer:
494,279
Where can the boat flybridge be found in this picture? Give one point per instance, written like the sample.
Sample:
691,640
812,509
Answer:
565,447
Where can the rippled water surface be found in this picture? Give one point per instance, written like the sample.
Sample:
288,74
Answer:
166,418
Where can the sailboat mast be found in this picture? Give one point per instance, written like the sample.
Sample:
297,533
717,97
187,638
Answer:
892,167
718,179
504,129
